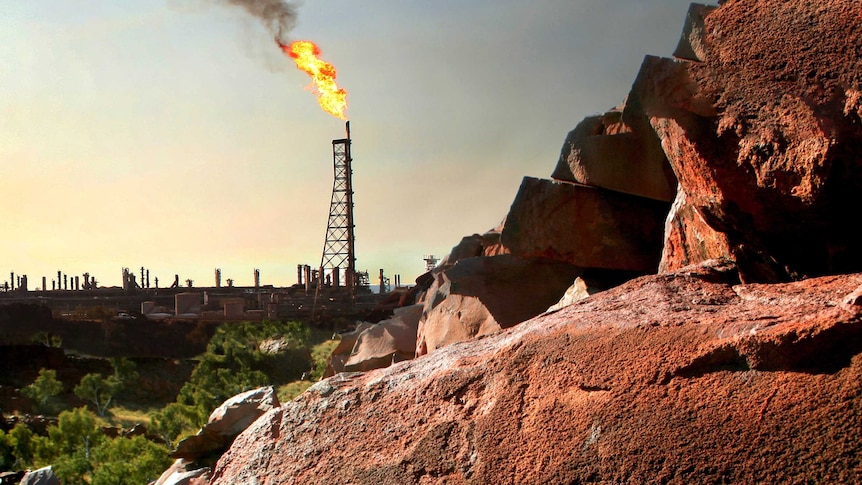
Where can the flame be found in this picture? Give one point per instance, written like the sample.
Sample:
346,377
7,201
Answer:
331,98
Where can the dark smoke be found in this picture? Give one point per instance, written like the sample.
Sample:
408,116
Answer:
278,16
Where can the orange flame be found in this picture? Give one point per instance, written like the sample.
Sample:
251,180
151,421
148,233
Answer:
331,98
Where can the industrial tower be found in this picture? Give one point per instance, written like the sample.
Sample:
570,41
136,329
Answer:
338,250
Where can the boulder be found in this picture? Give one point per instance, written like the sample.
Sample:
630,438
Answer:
42,476
183,472
604,152
227,421
688,239
585,226
342,351
481,295
686,377
579,290
487,244
764,135
691,44
386,342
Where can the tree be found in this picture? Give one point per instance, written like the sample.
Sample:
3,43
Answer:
69,445
173,421
128,461
44,390
20,441
98,390
47,339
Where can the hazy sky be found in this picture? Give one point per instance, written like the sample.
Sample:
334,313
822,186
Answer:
175,135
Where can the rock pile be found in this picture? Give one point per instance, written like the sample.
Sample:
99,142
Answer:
726,185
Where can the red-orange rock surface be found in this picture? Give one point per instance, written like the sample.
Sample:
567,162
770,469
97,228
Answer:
765,135
677,378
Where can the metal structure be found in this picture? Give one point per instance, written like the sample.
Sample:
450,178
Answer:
338,250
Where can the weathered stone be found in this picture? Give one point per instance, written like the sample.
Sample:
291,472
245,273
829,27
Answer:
342,351
42,476
691,44
603,152
680,378
487,244
182,472
578,291
781,160
481,295
688,239
227,421
384,343
585,226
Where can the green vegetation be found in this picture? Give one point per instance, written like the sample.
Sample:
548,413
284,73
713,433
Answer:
239,357
44,390
81,454
100,391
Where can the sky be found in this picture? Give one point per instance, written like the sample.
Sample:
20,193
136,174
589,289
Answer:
175,134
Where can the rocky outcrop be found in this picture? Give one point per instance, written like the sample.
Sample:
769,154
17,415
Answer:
689,377
481,295
764,134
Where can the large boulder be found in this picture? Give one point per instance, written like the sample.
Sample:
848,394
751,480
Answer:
687,377
386,342
481,295
764,134
226,422
42,476
585,226
602,151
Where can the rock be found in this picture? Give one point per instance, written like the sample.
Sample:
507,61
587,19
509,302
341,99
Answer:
578,291
688,239
227,421
778,159
487,244
691,45
42,476
386,342
585,226
853,302
481,295
182,472
11,478
687,377
344,348
604,152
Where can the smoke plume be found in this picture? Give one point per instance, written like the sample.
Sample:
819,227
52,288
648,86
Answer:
277,15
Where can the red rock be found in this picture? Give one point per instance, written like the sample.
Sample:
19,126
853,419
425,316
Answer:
604,152
584,226
481,295
386,342
779,158
679,378
688,239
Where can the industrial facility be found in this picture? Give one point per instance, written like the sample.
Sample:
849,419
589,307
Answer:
332,288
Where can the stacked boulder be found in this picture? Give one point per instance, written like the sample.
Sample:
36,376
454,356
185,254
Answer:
744,146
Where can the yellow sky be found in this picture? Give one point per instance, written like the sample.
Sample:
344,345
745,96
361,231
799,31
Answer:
175,135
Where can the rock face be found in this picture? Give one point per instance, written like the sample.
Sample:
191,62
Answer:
764,135
687,377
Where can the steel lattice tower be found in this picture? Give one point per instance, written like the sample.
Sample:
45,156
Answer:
338,250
